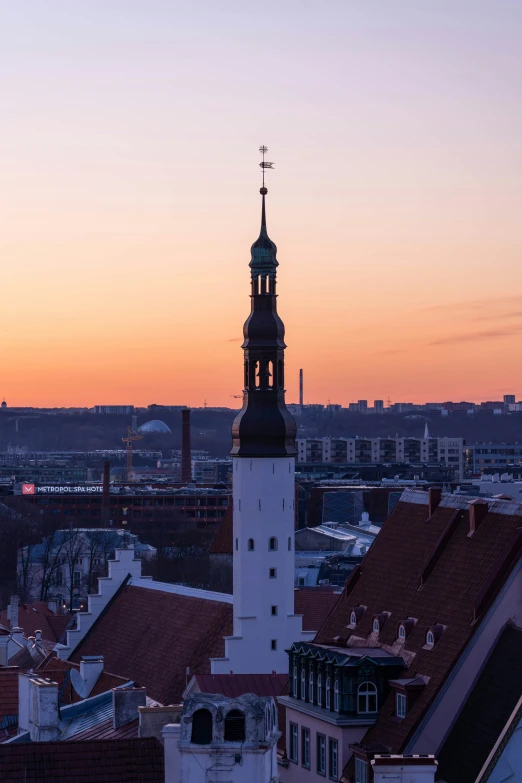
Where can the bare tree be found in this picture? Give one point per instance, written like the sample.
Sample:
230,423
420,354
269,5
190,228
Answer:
99,545
73,548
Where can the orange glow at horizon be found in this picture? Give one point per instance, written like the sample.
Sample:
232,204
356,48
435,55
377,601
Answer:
130,199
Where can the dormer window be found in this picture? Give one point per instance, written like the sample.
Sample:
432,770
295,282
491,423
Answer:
430,639
375,626
379,621
355,615
402,632
366,698
400,705
433,635
405,628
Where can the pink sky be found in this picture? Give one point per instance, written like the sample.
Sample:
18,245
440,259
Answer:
130,199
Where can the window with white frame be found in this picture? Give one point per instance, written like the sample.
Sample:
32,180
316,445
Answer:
336,696
400,705
293,742
430,639
303,684
353,619
76,578
305,747
328,693
361,771
333,759
366,698
402,633
294,689
311,687
375,627
320,690
321,754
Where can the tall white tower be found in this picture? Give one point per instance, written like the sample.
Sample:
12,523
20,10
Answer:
263,455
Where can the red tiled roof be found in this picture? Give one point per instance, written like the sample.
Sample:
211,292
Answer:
315,605
8,692
222,541
38,617
96,761
234,685
462,575
152,636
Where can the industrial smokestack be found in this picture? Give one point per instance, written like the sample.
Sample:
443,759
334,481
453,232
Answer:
106,491
186,456
301,389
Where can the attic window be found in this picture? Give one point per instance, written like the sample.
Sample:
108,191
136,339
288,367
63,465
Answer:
375,626
433,635
402,632
353,619
430,639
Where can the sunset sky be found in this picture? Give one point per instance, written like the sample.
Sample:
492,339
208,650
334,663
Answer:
130,183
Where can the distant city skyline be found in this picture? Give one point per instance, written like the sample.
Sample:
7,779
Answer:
130,197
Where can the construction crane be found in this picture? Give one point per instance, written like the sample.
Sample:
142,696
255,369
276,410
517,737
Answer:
131,436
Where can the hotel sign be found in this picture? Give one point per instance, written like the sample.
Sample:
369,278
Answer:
57,489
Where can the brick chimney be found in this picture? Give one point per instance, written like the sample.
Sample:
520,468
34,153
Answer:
186,454
477,511
434,498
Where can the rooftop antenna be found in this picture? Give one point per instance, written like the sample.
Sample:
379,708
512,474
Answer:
264,165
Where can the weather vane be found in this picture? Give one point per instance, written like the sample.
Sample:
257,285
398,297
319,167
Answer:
264,165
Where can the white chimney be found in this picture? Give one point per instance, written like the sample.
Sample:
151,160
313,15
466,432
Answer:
24,686
43,710
404,769
12,611
365,520
91,667
125,703
171,738
4,644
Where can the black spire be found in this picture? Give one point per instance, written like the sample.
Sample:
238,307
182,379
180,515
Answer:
264,427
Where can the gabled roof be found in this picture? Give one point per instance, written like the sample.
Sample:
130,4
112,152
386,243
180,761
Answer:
97,761
152,633
38,617
486,712
152,636
428,568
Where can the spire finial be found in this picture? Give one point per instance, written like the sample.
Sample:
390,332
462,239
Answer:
264,165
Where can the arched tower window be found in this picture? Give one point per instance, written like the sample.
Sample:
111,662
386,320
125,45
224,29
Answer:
367,698
272,544
235,726
201,727
250,544
270,374
246,375
280,379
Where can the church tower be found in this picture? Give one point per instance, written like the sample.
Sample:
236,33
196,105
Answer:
263,456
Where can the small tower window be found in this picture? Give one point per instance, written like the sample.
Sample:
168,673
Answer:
273,611
289,543
201,727
272,544
273,644
272,573
237,544
250,544
235,726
